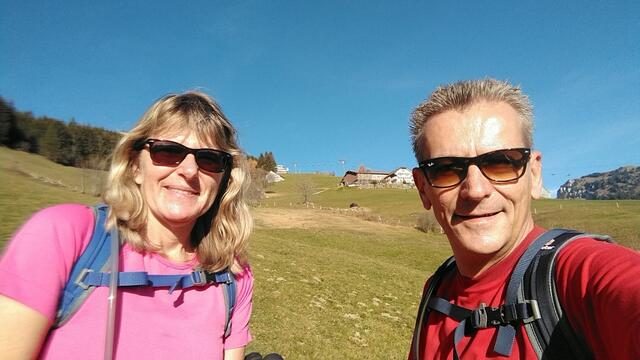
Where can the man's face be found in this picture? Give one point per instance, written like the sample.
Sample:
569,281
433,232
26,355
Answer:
482,219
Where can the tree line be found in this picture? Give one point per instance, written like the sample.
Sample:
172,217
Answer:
64,143
73,144
265,161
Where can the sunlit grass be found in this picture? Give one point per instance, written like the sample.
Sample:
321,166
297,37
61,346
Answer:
345,290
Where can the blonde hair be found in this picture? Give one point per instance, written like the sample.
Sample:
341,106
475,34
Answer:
462,94
220,235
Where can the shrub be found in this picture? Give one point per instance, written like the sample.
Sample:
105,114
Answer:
427,222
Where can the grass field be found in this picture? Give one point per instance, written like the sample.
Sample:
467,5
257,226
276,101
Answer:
620,219
329,284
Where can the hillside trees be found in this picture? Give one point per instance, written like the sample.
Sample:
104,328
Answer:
266,161
10,134
67,144
57,144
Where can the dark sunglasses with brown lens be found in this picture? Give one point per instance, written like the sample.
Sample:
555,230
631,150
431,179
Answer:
499,166
170,153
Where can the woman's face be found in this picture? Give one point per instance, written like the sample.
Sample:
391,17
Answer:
176,195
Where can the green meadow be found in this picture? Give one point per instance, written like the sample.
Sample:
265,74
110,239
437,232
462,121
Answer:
330,282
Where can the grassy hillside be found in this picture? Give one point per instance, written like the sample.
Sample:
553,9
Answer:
336,293
620,219
329,285
30,182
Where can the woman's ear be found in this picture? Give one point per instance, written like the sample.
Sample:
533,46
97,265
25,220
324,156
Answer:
137,173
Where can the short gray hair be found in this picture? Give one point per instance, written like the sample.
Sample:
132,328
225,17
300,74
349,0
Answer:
462,94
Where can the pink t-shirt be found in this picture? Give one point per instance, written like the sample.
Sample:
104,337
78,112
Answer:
151,323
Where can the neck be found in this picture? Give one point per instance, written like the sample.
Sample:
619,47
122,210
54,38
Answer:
172,242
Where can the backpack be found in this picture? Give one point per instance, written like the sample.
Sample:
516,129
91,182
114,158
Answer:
531,298
91,270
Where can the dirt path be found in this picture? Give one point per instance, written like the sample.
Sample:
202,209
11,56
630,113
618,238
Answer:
310,218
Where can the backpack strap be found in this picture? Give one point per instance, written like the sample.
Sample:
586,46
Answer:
91,270
506,333
94,257
229,292
88,278
520,305
552,337
423,310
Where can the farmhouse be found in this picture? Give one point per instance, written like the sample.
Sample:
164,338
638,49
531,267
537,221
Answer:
400,177
281,169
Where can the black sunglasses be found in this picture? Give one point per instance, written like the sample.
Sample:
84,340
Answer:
169,153
499,166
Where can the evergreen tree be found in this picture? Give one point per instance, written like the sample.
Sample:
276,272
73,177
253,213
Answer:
10,134
266,161
57,144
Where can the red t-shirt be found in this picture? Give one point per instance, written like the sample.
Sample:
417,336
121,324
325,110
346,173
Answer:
598,285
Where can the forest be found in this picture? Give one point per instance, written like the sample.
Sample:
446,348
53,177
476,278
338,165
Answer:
69,143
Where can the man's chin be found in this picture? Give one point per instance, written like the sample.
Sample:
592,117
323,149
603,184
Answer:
486,242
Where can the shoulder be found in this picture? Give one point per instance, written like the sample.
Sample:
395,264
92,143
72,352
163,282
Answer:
46,245
244,282
66,227
589,251
244,276
595,265
63,214
597,284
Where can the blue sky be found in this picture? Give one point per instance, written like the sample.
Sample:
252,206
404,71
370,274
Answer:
316,82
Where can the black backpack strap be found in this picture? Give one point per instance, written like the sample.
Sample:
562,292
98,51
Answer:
506,333
423,310
552,337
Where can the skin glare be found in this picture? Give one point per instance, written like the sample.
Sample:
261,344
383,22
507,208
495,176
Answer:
484,221
176,195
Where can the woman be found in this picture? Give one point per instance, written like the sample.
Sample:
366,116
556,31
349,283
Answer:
175,193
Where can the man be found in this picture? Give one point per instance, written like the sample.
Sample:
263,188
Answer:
478,174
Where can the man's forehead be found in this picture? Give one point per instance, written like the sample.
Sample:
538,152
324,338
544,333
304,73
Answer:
480,125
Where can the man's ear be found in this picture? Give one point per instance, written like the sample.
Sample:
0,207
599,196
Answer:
421,184
535,164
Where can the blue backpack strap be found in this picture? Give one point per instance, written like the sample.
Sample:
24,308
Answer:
88,279
91,270
94,258
229,292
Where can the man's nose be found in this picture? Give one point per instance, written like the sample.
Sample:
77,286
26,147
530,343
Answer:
475,186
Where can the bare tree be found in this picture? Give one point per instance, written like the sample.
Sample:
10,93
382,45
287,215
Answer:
306,187
257,185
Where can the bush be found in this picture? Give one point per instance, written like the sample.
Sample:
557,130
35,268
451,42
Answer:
426,222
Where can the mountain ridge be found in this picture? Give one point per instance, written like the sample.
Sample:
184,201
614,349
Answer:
618,184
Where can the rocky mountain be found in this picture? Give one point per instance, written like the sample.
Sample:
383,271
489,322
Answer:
622,183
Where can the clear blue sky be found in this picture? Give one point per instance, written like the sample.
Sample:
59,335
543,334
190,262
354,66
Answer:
316,82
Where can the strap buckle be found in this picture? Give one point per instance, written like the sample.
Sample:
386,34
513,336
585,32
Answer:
535,310
199,277
485,316
80,279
